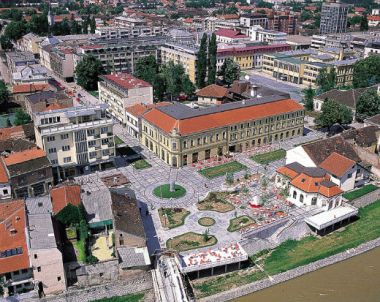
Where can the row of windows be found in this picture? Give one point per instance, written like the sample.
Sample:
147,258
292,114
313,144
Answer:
50,120
11,252
54,150
51,138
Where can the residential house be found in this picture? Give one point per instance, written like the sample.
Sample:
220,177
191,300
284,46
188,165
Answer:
46,101
32,73
17,59
212,94
122,90
230,36
63,195
20,91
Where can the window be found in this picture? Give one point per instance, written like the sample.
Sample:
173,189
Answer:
5,191
50,138
35,256
65,136
301,198
54,161
39,269
104,130
349,175
52,150
67,159
294,194
93,154
66,148
59,278
91,132
91,143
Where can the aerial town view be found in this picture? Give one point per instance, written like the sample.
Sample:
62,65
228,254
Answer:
189,150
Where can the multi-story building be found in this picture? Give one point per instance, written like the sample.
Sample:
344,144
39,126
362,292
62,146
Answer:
29,173
372,49
333,18
181,54
248,57
230,36
122,90
29,43
286,22
125,21
28,74
46,100
257,33
62,62
182,135
110,33
76,139
249,20
16,59
120,55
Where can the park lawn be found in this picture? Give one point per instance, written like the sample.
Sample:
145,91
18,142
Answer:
118,141
266,158
206,221
215,201
292,253
189,241
360,192
172,218
128,298
163,191
231,167
141,164
239,222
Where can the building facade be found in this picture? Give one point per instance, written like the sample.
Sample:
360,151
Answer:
76,139
333,18
181,135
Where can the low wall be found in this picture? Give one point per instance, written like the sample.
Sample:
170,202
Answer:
366,199
296,272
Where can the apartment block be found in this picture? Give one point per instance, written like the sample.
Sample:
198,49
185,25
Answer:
122,90
181,54
181,135
62,62
120,55
76,139
257,33
333,18
115,32
19,58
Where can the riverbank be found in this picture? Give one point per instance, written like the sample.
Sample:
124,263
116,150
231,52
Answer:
295,258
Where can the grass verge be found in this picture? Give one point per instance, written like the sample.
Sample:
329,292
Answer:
292,253
190,241
172,218
127,298
231,167
239,222
266,158
141,164
360,192
206,221
163,191
215,201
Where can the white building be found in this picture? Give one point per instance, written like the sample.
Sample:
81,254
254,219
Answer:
76,138
230,36
33,73
120,32
257,33
372,49
122,90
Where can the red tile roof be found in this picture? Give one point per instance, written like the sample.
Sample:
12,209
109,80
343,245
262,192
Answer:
138,110
64,195
287,172
214,91
329,191
220,119
23,156
12,235
11,132
126,81
3,172
54,106
337,164
230,33
373,18
26,88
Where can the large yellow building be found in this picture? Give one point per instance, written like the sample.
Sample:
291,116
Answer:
183,55
182,135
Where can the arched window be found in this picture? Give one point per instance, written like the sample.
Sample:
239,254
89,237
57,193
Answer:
294,194
301,198
314,201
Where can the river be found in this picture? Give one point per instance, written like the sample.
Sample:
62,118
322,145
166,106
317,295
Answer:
354,280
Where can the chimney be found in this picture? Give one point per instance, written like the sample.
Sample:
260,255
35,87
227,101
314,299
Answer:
253,91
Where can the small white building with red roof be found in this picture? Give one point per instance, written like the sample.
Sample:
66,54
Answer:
231,36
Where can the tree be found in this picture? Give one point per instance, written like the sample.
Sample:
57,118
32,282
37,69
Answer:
212,49
368,104
15,30
159,87
326,80
309,98
21,117
173,74
88,71
364,23
334,113
187,86
230,71
4,93
92,25
6,43
201,64
75,27
147,69
366,72
39,25
85,25
69,215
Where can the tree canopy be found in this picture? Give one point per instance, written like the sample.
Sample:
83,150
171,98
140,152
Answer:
147,69
201,64
212,53
230,71
4,93
368,104
366,72
309,98
88,71
326,80
334,113
21,117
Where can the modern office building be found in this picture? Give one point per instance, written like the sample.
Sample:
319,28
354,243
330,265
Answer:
76,139
181,135
122,90
333,18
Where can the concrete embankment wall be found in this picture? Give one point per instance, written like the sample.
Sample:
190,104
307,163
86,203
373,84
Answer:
366,199
299,271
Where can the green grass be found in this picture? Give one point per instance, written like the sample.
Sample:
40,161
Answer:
163,191
118,141
221,170
189,241
172,218
128,298
141,164
292,253
206,221
269,157
81,250
239,222
360,192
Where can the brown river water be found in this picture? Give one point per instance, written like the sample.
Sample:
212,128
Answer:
354,280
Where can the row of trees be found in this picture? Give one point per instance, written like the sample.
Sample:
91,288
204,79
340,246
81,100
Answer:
206,61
